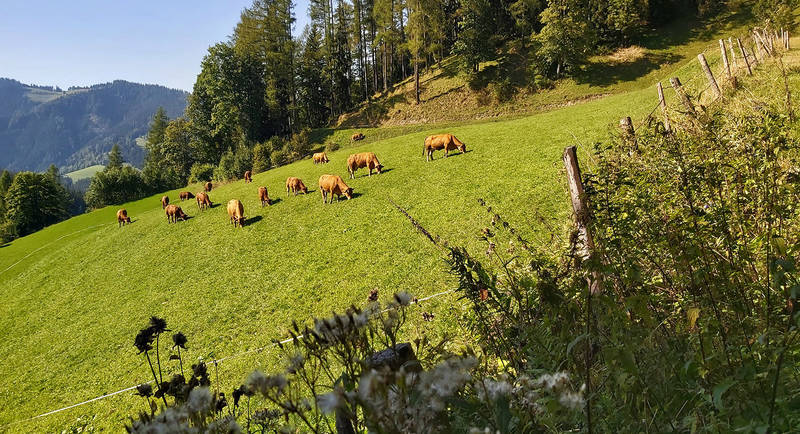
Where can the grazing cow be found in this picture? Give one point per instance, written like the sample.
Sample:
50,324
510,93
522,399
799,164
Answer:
334,184
185,195
437,142
295,185
203,201
164,201
122,217
248,177
263,196
207,186
174,213
364,159
236,213
320,158
356,137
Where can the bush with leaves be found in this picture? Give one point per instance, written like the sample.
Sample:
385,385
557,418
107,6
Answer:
201,172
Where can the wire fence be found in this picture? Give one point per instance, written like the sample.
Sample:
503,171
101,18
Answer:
690,85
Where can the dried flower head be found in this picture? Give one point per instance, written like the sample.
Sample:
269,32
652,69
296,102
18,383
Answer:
144,340
373,295
145,390
159,325
179,339
427,316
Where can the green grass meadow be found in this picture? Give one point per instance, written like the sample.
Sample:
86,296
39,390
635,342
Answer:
75,294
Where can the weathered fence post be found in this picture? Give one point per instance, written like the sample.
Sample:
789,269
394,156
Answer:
733,53
628,133
676,84
788,44
582,217
744,56
711,80
663,103
725,63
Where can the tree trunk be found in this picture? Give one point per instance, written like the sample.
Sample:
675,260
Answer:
416,77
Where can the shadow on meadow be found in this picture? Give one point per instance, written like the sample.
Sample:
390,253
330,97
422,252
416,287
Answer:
252,220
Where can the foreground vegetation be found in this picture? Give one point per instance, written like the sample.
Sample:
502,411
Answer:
683,318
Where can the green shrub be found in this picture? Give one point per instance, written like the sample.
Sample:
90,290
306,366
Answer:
201,172
8,232
332,146
261,157
299,146
279,157
232,165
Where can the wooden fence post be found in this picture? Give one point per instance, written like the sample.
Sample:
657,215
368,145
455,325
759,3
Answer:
744,56
663,103
676,84
788,45
711,80
733,53
725,63
628,133
582,217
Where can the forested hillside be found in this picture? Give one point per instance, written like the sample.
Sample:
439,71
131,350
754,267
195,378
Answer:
76,128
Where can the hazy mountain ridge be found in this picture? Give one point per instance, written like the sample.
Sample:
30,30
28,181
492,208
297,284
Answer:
43,125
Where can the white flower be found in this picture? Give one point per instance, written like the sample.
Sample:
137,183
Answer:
329,402
571,400
553,382
199,400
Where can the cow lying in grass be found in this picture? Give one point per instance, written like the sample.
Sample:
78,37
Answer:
364,159
356,137
334,185
185,195
437,142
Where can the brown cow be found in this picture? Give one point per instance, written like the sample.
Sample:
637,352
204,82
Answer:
203,201
356,137
334,184
236,213
174,213
185,195
295,185
248,177
263,196
437,142
320,158
207,186
364,159
164,201
122,217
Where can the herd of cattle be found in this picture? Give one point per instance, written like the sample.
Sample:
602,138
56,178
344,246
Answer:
328,184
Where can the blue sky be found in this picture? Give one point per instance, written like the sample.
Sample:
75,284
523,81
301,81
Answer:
83,42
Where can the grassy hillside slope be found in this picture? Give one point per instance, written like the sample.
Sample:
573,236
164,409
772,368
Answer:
76,293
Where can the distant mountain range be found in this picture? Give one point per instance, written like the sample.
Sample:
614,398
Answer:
74,129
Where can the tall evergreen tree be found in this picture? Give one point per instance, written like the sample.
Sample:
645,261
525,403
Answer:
34,201
115,158
312,89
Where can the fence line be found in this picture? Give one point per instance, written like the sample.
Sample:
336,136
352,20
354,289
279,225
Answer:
212,361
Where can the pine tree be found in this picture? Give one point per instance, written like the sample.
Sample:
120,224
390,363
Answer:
114,158
312,88
416,41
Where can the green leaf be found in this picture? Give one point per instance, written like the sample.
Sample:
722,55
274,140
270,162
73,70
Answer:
720,390
576,341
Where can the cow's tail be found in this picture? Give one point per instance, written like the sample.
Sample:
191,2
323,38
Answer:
424,145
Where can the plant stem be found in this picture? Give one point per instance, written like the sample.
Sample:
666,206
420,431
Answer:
158,360
180,359
149,362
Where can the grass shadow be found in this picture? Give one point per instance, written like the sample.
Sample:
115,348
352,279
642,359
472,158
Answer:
274,201
252,220
608,73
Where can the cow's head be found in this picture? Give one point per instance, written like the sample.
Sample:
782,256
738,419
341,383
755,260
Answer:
304,189
462,147
348,193
380,167
127,219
